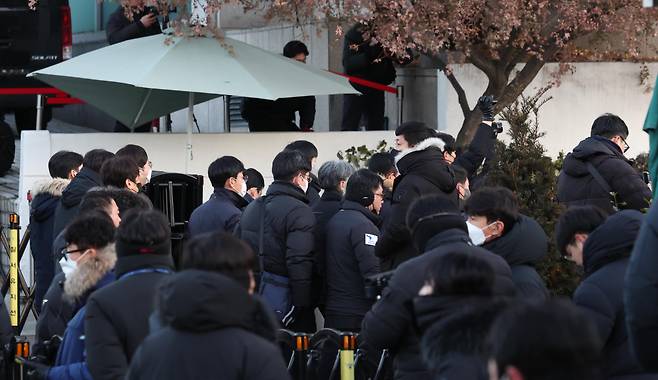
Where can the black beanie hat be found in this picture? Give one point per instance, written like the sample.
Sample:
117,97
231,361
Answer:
412,127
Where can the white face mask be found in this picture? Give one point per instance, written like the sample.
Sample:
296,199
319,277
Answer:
305,187
476,234
68,266
243,189
148,176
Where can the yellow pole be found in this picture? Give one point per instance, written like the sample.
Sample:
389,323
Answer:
347,358
13,269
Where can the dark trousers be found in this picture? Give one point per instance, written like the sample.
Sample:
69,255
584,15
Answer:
370,105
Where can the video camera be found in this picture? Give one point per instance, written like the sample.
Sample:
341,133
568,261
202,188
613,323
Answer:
374,285
497,127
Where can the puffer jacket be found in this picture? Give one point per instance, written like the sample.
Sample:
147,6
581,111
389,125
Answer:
523,247
577,187
423,171
69,203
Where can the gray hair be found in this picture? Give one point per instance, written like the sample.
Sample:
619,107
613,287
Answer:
332,172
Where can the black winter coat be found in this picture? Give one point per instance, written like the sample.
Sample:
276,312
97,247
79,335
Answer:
55,314
351,237
523,247
454,332
576,186
600,295
390,323
641,294
324,210
287,239
42,221
366,61
69,203
213,329
423,171
117,316
279,115
120,29
220,213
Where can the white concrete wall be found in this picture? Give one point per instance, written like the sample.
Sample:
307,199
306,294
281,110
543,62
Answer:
594,89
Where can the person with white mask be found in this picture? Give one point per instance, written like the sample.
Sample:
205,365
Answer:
495,223
138,154
223,210
279,228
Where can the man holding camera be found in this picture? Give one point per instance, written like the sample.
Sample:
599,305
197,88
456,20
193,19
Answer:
144,22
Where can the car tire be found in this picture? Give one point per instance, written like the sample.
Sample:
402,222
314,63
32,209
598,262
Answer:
7,147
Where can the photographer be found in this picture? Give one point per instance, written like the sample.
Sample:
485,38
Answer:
144,22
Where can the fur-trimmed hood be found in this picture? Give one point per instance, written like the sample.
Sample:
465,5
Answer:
423,145
52,186
89,273
46,195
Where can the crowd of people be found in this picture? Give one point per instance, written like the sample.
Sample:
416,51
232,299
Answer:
462,297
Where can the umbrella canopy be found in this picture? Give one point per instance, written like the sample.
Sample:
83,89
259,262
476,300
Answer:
138,80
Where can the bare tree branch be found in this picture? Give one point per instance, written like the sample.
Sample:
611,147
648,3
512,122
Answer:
461,94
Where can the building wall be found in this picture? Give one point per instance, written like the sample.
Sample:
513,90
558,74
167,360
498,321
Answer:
594,89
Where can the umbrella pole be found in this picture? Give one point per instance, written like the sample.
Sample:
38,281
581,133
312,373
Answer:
190,121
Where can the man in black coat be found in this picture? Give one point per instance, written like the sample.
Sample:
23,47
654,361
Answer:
437,228
223,210
493,215
63,166
88,177
279,115
212,329
600,294
384,165
597,167
423,171
641,293
117,315
365,59
351,237
310,153
279,227
332,177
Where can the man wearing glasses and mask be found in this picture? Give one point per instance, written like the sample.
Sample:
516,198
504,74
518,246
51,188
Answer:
597,173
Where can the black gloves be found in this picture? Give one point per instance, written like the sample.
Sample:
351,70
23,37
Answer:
486,105
33,370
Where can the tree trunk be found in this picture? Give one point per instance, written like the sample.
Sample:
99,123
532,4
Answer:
469,127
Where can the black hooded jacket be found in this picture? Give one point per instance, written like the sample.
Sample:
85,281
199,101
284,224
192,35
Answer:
423,171
366,61
287,237
576,186
323,211
605,259
213,329
117,319
314,190
120,29
351,237
454,330
42,221
69,203
523,247
389,324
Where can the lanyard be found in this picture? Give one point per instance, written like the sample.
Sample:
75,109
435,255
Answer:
149,270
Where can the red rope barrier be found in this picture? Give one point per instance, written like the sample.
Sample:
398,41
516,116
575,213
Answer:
370,84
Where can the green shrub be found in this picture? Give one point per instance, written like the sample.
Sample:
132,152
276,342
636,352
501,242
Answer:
359,156
523,167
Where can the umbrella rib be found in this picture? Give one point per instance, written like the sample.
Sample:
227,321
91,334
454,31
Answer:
141,108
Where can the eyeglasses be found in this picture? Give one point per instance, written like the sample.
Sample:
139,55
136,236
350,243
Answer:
65,252
625,143
306,176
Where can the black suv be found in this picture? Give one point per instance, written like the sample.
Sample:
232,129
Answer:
30,40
